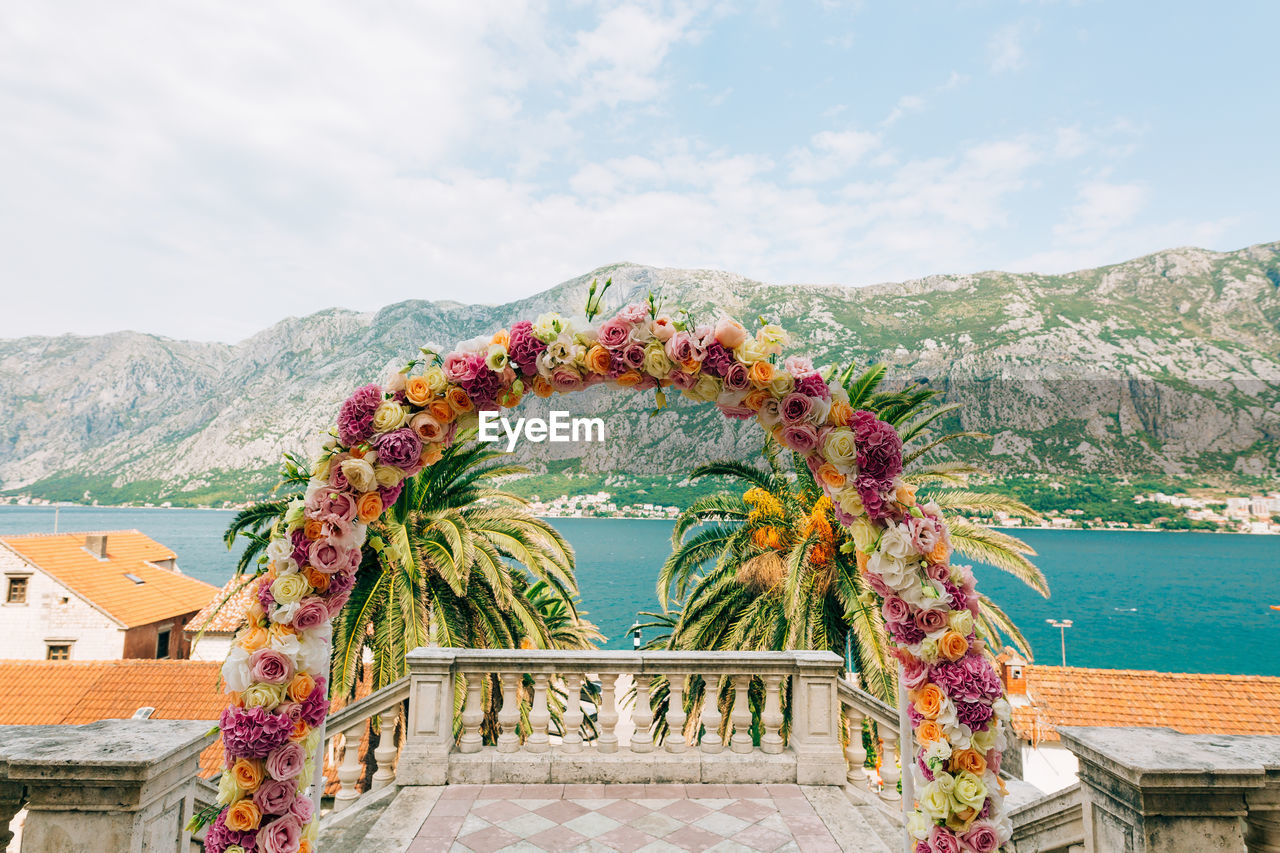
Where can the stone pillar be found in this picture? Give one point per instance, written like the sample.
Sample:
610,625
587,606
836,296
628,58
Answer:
120,785
1159,791
11,795
815,719
424,757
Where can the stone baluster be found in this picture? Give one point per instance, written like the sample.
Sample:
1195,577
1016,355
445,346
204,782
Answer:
572,735
509,714
472,715
741,716
855,752
607,718
771,716
539,716
889,769
642,716
351,768
712,743
10,805
385,753
676,716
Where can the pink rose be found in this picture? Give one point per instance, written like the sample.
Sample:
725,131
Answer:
636,312
982,837
336,505
285,763
275,797
730,333
326,557
802,438
566,378
312,613
796,408
943,840
931,621
270,667
680,347
461,367
633,355
615,333
914,674
895,609
303,809
663,328
939,572
281,836
736,377
798,366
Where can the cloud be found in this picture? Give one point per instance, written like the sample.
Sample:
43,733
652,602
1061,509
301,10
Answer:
1101,207
830,154
1005,50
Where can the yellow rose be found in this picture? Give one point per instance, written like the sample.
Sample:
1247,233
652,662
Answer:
359,474
841,450
436,380
773,336
389,415
706,389
656,362
985,740
961,622
782,384
751,351
969,791
263,696
387,476
935,802
929,650
862,529
321,470
228,790
851,503
918,825
289,588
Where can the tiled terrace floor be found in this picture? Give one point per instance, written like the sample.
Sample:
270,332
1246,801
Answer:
627,818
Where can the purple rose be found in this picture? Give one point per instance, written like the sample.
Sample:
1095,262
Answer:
390,494
275,797
300,545
982,838
802,438
316,705
400,448
737,377
252,732
355,418
931,621
523,348
684,381
796,408
283,835
633,355
943,840
270,667
905,633
312,613
265,598
284,763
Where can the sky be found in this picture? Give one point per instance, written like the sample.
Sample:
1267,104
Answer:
202,169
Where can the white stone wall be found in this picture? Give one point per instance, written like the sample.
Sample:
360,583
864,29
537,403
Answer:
28,628
214,647
1049,766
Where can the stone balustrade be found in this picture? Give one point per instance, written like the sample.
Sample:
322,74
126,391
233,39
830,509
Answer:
345,730
865,713
119,785
1152,790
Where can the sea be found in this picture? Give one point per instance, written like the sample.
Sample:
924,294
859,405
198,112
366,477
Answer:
1169,601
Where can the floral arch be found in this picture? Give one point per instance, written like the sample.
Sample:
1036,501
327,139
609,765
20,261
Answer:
276,670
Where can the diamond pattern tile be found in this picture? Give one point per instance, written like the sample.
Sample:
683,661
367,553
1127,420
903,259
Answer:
625,819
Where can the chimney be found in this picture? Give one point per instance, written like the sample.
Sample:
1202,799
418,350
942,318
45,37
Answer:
96,544
1013,673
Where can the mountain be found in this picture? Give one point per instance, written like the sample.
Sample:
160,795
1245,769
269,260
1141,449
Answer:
1166,367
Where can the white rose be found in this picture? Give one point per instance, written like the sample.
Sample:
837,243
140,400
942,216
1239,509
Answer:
287,644
840,449
838,394
918,825
283,614
549,326
228,790
935,802
287,566
235,669
359,474
984,740
1002,709
437,382
278,549
961,621
894,572
389,415
821,410
751,351
896,542
314,652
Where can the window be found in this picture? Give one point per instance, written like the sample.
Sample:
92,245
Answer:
162,643
17,591
58,652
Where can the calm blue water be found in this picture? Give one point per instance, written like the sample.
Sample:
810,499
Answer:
1178,602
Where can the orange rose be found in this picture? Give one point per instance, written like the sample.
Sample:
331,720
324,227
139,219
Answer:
459,401
929,701
939,553
502,336
630,379
542,387
761,372
301,686
300,730
442,411
755,399
690,365
313,529
952,646
304,846
431,454
841,414
597,360
905,494
969,759
369,507
929,732
319,580
862,559
248,773
243,816
253,637
417,391
510,398
830,475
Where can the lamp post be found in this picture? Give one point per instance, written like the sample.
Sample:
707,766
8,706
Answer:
1062,626
635,636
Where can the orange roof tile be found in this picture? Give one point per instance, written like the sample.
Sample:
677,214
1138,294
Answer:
162,594
1187,702
226,610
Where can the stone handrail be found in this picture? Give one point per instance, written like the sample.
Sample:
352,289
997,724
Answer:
724,741
120,785
861,709
345,729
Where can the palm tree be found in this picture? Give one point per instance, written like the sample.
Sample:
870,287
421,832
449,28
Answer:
767,566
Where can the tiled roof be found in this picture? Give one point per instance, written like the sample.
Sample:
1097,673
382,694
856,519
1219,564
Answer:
225,611
162,594
38,692
1187,702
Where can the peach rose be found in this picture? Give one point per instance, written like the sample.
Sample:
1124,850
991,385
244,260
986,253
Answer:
939,552
952,646
690,365
730,333
300,731
501,337
431,454
755,399
929,701
253,637
442,411
630,379
459,401
243,816
369,507
301,686
929,732
247,773
597,360
905,494
841,414
319,580
761,373
830,475
969,759
862,559
314,528
542,387
417,391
